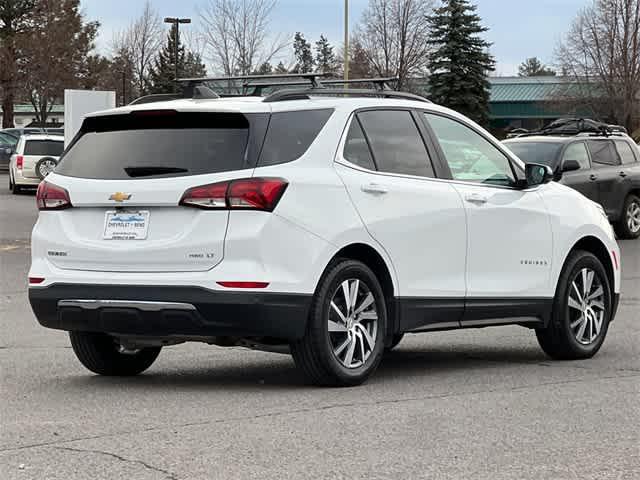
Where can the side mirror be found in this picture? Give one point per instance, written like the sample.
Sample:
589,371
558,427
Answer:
570,166
537,174
8,151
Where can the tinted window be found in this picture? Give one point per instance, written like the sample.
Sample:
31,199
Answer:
396,142
165,144
536,152
470,156
356,149
577,152
290,134
8,139
48,148
603,153
626,152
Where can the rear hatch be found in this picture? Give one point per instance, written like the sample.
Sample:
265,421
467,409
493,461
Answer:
126,174
35,150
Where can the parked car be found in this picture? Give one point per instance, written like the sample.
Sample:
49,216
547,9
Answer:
324,226
7,147
35,156
604,168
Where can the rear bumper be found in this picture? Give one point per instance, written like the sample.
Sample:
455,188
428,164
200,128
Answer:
167,311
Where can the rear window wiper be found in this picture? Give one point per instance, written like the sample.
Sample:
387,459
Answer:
136,172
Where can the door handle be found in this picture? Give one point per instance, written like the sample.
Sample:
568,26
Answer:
476,198
375,189
623,174
593,177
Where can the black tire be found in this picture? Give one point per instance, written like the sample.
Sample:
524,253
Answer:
314,353
558,340
99,353
394,342
41,162
623,226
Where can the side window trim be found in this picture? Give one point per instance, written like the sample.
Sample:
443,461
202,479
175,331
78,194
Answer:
366,139
443,159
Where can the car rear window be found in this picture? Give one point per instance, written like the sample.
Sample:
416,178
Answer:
545,153
164,144
44,148
603,153
291,134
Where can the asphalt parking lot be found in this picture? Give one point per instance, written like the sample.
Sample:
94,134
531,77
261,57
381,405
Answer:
475,404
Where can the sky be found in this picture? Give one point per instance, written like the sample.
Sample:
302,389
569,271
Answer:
518,29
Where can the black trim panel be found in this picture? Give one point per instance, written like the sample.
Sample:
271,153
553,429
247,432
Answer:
217,313
426,314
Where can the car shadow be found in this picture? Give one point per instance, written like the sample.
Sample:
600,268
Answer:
402,365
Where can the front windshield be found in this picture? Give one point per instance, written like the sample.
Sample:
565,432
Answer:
545,153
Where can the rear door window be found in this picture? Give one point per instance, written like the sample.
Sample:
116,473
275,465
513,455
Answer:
43,148
164,144
291,134
626,152
603,153
396,142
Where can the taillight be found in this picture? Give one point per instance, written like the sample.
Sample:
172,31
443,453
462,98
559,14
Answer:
243,284
19,162
35,280
246,194
52,197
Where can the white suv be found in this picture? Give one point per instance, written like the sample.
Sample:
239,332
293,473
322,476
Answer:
327,226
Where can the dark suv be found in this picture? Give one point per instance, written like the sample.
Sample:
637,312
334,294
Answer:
604,167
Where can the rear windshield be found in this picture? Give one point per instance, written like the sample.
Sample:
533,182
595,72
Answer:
163,144
545,153
171,144
48,148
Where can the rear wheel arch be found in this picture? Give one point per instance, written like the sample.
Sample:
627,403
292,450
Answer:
375,261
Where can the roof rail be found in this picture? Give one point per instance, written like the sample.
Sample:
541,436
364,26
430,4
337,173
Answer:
304,94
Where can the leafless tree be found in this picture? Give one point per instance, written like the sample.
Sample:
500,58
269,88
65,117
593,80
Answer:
141,41
601,53
237,35
394,34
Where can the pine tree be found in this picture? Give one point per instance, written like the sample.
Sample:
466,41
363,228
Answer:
302,53
532,67
460,63
281,68
325,58
163,72
264,69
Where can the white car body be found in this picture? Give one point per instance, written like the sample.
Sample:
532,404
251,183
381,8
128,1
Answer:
448,246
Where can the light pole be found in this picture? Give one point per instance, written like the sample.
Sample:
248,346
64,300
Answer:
346,41
176,21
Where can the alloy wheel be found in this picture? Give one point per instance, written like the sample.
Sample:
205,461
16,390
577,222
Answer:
587,309
353,323
633,217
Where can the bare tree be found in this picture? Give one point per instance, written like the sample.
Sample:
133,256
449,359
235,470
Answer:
237,35
394,34
601,53
141,41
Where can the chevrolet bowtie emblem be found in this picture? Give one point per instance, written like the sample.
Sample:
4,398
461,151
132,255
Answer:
120,197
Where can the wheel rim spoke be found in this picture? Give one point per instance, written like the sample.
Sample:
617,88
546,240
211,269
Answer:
597,293
345,292
577,322
573,303
368,300
337,327
339,312
351,350
341,348
583,327
577,290
587,280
